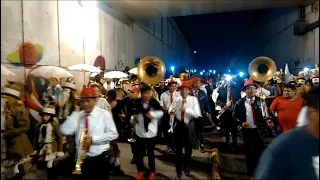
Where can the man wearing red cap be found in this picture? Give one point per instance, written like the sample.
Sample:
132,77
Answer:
186,110
204,107
100,129
254,126
166,99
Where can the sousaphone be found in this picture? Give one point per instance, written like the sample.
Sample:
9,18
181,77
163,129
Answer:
262,69
151,70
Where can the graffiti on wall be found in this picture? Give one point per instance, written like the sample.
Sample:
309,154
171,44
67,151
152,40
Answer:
27,55
120,65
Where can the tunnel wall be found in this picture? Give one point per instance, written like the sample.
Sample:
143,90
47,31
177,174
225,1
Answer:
64,33
272,35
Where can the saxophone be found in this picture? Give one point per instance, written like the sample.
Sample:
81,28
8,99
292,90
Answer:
81,152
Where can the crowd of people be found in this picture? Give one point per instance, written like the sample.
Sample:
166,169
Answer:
173,112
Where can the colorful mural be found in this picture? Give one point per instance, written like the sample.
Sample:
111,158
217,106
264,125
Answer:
27,55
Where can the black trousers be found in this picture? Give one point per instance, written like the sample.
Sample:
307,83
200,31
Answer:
164,127
253,148
181,136
230,126
200,128
95,168
143,145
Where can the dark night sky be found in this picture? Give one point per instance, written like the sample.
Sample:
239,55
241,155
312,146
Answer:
215,37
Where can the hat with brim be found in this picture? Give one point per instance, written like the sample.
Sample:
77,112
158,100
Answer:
249,82
48,110
194,80
185,84
88,92
172,82
11,90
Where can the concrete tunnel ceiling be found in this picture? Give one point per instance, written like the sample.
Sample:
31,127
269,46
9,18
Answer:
149,9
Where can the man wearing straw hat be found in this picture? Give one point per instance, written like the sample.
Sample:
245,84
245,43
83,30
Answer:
100,130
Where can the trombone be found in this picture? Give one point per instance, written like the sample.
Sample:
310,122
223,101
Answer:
223,110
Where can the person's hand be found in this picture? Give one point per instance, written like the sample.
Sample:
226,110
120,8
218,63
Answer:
165,109
122,116
148,115
245,125
87,143
173,112
270,123
60,154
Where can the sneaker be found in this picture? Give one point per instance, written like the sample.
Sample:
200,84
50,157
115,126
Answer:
140,176
152,176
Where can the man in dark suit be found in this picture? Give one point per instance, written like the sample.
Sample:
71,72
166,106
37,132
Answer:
204,107
210,87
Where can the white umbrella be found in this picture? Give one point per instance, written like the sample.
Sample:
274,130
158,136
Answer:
115,74
5,71
85,67
50,71
134,70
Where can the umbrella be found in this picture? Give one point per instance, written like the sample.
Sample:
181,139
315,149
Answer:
85,67
134,71
50,71
115,74
5,71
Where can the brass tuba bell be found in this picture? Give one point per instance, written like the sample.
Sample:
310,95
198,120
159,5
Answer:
261,69
151,70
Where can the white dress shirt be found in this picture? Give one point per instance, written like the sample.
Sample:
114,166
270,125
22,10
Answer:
192,108
103,104
165,98
214,97
152,127
303,117
101,128
249,115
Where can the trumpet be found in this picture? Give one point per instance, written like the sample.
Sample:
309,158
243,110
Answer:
223,110
171,124
81,153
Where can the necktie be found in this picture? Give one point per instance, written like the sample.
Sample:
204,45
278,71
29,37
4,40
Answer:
87,122
182,112
171,97
253,112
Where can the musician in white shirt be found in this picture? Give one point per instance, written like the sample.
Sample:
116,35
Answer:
101,130
108,84
146,129
166,99
101,101
186,109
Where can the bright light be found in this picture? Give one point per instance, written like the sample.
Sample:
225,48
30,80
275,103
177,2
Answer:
229,70
228,77
305,69
210,71
201,73
194,70
241,74
214,71
195,52
172,68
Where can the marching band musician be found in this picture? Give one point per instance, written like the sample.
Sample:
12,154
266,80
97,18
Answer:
108,84
100,129
247,111
161,88
204,107
146,128
101,100
186,110
228,95
17,144
166,99
130,103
